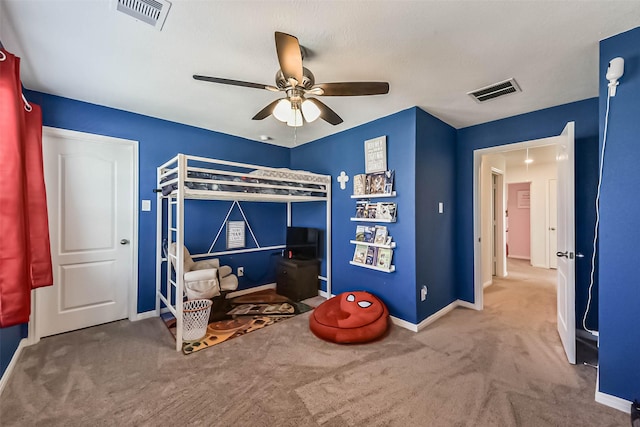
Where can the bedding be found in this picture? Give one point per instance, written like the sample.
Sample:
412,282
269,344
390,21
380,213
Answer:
256,177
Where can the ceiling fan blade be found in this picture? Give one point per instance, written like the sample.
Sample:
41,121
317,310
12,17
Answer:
266,111
326,113
353,88
289,56
235,82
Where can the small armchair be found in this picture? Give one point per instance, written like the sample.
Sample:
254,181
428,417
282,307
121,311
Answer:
205,278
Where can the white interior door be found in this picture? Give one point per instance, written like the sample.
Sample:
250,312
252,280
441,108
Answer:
90,189
566,242
553,223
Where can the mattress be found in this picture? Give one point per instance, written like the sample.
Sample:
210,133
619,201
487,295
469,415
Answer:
233,183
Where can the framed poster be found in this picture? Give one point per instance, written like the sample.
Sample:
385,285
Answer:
235,234
524,201
375,154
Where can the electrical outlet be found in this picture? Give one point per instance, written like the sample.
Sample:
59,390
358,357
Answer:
240,271
423,293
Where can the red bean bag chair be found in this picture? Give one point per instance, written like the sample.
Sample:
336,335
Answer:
351,317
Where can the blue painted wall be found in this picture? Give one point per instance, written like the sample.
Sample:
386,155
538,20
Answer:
344,151
619,356
435,235
159,140
538,124
9,339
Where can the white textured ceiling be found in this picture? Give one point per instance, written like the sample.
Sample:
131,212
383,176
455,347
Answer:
431,53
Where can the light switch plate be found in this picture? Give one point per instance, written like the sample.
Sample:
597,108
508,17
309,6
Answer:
146,205
440,207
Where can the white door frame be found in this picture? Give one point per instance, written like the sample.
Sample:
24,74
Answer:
33,336
551,254
477,225
499,237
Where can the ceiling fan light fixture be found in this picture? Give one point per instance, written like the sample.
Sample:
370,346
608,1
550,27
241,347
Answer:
310,110
282,111
295,118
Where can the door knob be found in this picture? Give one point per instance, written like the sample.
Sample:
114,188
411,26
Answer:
552,229
124,242
562,254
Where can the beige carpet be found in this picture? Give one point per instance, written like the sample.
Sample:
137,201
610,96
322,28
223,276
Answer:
500,367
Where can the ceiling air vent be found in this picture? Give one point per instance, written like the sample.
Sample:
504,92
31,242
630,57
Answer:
153,12
495,90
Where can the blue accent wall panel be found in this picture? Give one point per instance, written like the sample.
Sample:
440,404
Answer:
344,151
586,183
160,140
435,235
9,339
619,355
538,124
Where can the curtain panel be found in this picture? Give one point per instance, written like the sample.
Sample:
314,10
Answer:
25,258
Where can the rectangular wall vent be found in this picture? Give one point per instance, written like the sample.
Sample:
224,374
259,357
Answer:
153,12
495,90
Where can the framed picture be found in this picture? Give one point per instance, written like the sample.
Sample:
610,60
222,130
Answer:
375,154
524,201
235,234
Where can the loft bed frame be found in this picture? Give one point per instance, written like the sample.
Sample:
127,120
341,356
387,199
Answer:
187,177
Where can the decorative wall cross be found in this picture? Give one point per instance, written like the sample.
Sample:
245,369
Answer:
342,179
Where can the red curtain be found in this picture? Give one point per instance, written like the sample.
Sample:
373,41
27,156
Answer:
25,258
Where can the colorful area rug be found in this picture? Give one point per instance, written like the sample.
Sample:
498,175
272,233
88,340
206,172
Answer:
243,318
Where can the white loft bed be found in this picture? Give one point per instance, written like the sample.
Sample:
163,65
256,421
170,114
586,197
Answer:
191,177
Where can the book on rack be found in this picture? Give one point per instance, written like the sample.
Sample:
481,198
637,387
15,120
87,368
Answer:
376,182
360,233
369,233
388,181
372,253
371,210
359,184
386,211
360,254
381,234
384,258
361,209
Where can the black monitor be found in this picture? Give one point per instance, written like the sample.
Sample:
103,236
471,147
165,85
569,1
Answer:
303,243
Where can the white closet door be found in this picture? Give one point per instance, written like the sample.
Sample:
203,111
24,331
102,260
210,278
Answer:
89,182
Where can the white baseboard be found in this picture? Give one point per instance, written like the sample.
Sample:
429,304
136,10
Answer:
14,359
146,315
611,401
487,284
324,294
469,305
251,290
438,314
404,324
520,257
586,335
435,316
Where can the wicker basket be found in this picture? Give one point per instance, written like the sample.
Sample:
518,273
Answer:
195,315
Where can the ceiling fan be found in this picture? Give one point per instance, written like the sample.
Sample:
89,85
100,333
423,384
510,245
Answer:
298,82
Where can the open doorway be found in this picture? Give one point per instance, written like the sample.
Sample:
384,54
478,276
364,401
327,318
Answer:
516,167
519,220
